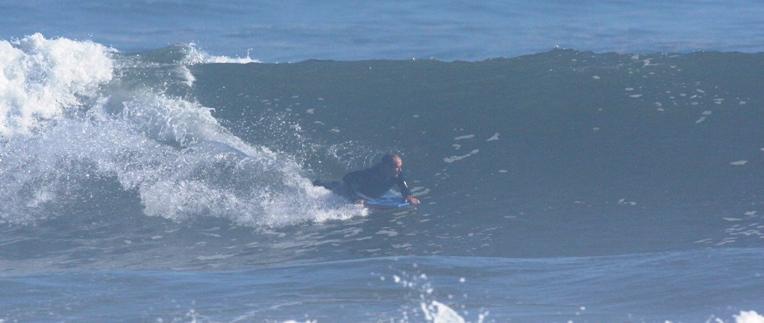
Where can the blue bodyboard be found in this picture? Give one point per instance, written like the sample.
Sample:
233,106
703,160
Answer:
388,201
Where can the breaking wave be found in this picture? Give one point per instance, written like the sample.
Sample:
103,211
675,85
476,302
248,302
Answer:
75,113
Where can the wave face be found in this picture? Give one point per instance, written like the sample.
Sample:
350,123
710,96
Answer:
176,161
559,153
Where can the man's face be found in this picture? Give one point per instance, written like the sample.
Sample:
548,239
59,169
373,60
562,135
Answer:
395,169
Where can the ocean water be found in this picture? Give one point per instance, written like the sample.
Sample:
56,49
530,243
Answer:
614,179
289,31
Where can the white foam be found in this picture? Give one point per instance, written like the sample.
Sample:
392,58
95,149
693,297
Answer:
494,137
194,56
452,159
389,233
215,257
465,137
186,75
749,317
438,312
623,201
42,78
212,173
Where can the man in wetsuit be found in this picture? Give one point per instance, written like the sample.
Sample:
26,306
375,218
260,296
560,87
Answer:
374,182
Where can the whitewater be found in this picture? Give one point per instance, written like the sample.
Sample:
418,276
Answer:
166,183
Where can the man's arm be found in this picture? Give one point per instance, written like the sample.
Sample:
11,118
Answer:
406,192
403,187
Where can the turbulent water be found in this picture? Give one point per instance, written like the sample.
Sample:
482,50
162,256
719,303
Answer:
172,185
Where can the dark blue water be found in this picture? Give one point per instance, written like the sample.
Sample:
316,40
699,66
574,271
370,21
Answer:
156,182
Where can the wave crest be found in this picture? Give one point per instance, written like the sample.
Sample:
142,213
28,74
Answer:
43,77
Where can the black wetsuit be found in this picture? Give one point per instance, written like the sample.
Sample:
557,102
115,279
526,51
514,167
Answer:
372,183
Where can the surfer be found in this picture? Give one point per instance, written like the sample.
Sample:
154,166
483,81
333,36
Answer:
373,182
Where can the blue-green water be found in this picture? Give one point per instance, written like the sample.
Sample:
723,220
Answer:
169,184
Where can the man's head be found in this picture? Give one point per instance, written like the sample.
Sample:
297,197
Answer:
391,165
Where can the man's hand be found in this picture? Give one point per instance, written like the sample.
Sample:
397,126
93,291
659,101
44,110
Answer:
412,200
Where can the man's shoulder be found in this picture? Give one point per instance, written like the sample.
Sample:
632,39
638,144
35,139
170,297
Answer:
355,173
